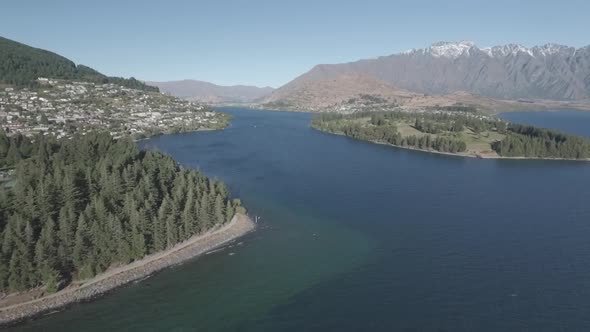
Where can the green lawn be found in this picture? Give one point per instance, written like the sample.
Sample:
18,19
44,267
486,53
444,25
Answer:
476,143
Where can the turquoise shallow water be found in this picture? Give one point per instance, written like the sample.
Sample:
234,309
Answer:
355,236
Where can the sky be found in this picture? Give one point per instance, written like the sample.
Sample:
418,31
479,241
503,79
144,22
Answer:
268,43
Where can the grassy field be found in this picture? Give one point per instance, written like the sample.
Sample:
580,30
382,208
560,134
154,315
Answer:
477,143
406,129
480,143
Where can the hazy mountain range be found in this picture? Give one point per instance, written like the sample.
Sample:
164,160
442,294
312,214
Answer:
504,74
211,93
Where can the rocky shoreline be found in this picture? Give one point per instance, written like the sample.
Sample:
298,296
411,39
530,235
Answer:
105,282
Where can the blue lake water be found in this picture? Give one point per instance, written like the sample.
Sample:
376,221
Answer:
573,122
362,237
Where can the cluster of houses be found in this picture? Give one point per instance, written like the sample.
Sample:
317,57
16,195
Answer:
64,108
384,107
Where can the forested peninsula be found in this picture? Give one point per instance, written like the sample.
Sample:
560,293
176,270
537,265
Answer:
75,208
459,133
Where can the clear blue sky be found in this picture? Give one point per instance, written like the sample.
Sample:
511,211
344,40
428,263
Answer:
271,42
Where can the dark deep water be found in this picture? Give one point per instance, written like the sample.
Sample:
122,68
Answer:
362,237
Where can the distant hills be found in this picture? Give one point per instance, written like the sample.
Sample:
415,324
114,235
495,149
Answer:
206,92
21,65
498,76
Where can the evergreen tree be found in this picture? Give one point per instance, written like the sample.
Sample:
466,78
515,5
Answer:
82,243
94,203
219,210
229,211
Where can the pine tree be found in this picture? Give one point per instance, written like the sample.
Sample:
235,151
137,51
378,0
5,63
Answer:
229,211
67,222
204,216
16,273
188,216
171,231
138,243
46,257
160,234
219,213
123,252
82,243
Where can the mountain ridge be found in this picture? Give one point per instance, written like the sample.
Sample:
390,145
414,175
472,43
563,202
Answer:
507,73
202,91
454,49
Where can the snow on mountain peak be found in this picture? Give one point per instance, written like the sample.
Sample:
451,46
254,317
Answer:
551,48
450,49
488,51
510,49
454,50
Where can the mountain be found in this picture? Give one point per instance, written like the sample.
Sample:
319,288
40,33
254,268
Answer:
21,65
352,91
210,93
338,89
509,72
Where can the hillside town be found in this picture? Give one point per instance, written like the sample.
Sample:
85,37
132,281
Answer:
66,107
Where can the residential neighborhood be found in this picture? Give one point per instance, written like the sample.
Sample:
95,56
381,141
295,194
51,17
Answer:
66,107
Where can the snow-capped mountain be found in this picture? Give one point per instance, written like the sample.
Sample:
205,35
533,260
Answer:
467,48
450,50
512,71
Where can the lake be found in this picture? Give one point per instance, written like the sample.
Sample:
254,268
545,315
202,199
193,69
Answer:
355,236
